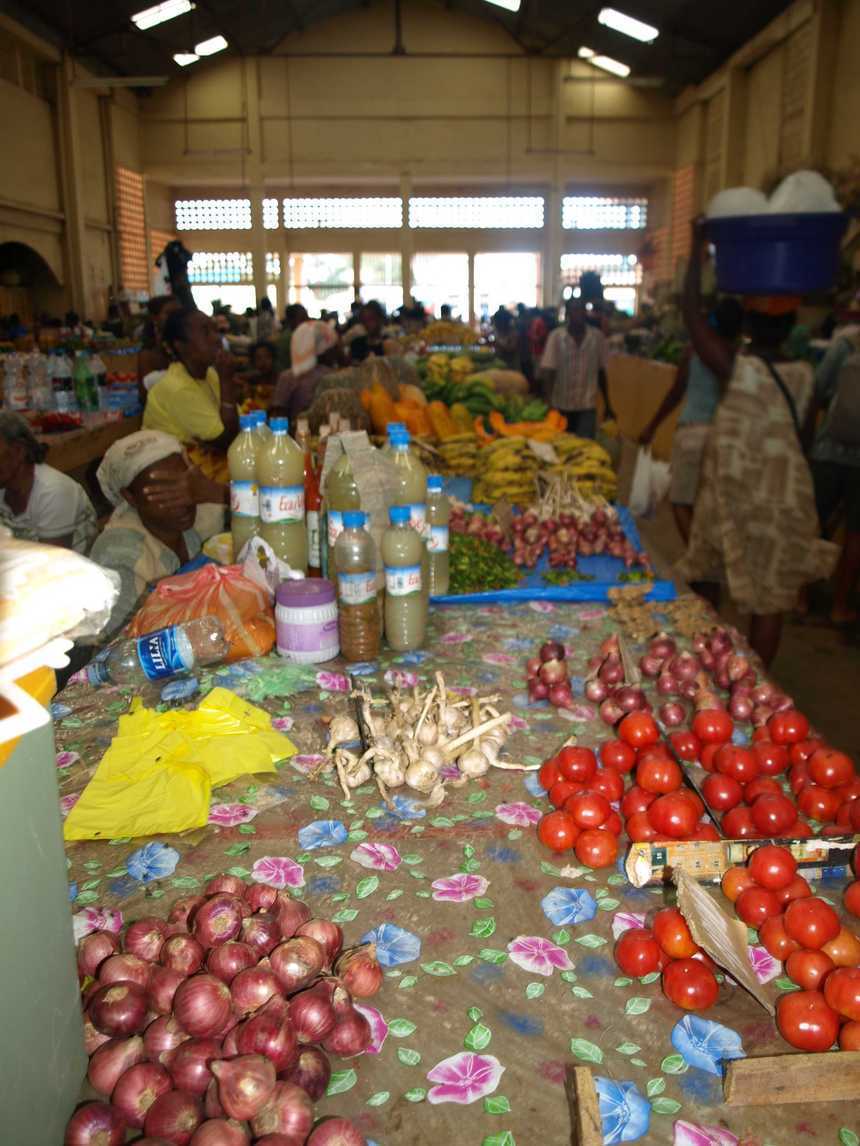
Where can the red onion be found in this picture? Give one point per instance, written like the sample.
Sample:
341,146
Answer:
93,949
217,920
189,1066
161,1038
111,1060
537,690
612,671
359,970
609,645
720,641
138,1088
688,689
721,678
118,1008
297,962
595,690
93,1039
779,702
311,1072
289,1111
699,643
553,672
182,953
162,987
651,664
245,1084
560,695
707,660
226,884
276,1140
533,667
663,646
253,987
184,908
667,685
351,1035
741,706
260,897
312,1015
220,1132
630,698
551,651
145,938
124,969
684,666
611,711
95,1124
737,667
262,932
174,1116
291,913
230,1042
672,714
762,693
225,962
271,1034
328,935
706,700
336,1132
202,1004
212,1107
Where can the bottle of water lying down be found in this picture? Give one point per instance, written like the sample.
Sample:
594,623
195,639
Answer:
162,654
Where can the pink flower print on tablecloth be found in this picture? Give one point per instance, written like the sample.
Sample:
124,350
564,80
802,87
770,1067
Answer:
520,814
68,802
231,815
282,723
278,871
401,678
333,681
96,919
306,763
542,606
381,857
764,964
378,1027
623,920
503,659
455,638
689,1134
67,759
459,888
464,1078
538,955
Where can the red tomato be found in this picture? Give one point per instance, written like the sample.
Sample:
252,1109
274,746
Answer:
797,889
596,849
772,758
653,752
557,831
808,969
776,940
800,752
673,816
672,933
589,809
612,823
639,828
608,783
637,952
818,803
844,950
695,799
737,824
830,768
561,790
849,1037
576,764
706,832
772,815
806,1021
760,733
713,726
740,763
849,792
755,905
811,921
658,776
842,992
788,726
736,880
689,984
761,786
855,821
618,755
799,830
639,729
798,777
685,744
851,897
707,757
722,793
636,799
548,774
772,867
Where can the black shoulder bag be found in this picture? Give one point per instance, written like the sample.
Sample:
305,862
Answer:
792,408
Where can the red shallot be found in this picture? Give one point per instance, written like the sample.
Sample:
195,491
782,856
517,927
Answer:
351,1035
95,1124
93,949
182,953
189,1066
291,913
184,908
126,969
289,1111
113,1059
138,1088
217,920
328,935
359,970
202,1004
145,938
260,897
245,1084
311,1072
270,1033
212,1107
118,1008
311,1015
93,1039
672,714
663,646
253,987
226,961
161,1038
163,982
297,962
611,711
261,932
174,1116
229,884
629,698
595,690
220,1132
336,1132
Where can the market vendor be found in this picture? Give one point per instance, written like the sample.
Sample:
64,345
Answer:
261,379
195,401
573,369
367,337
315,352
154,359
37,502
162,517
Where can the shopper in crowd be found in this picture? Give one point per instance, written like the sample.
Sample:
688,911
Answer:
573,369
754,525
261,379
506,338
367,336
154,358
37,502
294,316
315,352
195,401
266,321
445,313
697,384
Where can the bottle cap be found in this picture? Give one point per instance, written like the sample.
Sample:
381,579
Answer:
259,417
354,519
434,482
393,427
246,421
399,514
280,425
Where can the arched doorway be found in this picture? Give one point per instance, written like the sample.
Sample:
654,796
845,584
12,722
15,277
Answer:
28,285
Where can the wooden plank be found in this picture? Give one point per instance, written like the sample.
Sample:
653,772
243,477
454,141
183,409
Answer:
76,449
777,1079
586,1128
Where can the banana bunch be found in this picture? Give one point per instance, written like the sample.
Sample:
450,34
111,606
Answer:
506,468
447,333
460,454
586,463
461,367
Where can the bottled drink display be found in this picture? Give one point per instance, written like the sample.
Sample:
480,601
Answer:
358,609
410,490
244,491
85,383
65,400
162,654
262,432
438,513
341,494
312,499
281,478
405,604
14,383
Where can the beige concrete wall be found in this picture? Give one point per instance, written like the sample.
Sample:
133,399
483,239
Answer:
843,140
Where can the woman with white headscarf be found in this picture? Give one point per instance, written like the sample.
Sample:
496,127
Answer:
158,525
315,352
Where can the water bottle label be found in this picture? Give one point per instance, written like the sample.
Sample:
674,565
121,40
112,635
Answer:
313,539
357,588
244,499
282,504
97,670
438,542
418,518
403,581
335,526
161,655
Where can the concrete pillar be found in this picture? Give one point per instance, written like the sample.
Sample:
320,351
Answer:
71,182
406,239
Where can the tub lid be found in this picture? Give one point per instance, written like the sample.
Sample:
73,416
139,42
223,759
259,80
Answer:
310,593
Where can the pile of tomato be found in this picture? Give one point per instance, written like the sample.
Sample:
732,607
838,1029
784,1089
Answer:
688,975
821,956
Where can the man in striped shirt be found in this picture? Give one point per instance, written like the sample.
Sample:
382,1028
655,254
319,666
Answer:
571,370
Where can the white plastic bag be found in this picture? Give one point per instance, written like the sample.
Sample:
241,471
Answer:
650,484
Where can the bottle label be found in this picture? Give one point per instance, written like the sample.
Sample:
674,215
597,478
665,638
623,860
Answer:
357,588
313,539
335,526
282,504
418,518
438,542
403,580
244,499
160,654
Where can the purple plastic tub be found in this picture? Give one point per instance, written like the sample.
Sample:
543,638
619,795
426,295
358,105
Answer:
776,254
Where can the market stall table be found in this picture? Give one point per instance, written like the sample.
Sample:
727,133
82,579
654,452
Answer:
73,450
498,956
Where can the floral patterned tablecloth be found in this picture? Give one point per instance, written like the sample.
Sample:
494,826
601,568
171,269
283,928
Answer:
499,968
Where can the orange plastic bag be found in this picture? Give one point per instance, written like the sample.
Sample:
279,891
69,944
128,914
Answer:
221,591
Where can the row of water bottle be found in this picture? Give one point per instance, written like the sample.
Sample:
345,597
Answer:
55,382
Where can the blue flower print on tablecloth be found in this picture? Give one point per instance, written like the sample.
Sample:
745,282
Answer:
406,808
362,668
706,1044
565,905
322,834
625,1114
418,657
518,644
73,892
394,944
152,861
532,785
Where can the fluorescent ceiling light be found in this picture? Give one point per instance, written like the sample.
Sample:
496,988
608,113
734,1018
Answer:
627,25
604,62
509,5
168,10
185,58
210,47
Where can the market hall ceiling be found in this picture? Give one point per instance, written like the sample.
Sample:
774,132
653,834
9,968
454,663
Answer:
694,38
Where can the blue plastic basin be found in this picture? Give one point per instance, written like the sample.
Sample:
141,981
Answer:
776,254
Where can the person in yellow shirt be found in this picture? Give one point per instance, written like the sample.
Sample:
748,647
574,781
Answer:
195,401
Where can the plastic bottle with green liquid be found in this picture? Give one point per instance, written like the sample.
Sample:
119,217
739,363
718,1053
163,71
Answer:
438,513
244,491
340,493
405,605
281,475
358,608
410,490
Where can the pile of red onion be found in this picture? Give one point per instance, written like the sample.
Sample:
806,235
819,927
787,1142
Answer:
547,676
731,671
214,1027
606,685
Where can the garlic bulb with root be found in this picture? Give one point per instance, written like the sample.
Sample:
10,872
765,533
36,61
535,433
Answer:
422,776
473,763
434,756
358,776
390,771
342,730
428,733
